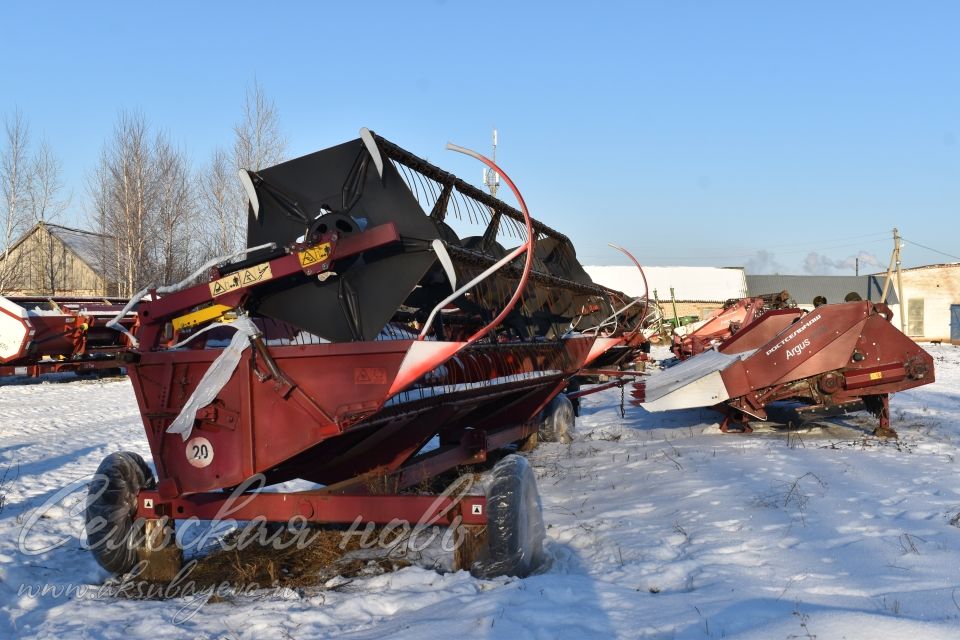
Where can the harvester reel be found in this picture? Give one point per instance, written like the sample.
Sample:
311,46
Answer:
314,183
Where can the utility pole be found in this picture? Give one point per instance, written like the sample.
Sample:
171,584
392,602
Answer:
895,264
903,303
856,266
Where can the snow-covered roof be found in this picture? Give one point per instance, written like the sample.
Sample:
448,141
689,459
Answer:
86,244
702,284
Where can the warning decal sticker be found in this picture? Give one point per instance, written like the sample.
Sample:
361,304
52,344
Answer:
243,278
314,255
369,375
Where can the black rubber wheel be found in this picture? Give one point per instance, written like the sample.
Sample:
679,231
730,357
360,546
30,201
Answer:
573,387
113,535
515,530
557,421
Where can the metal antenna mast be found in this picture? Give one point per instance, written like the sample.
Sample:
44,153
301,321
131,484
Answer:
490,177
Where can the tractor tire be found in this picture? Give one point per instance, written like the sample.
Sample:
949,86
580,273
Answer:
113,535
515,531
557,421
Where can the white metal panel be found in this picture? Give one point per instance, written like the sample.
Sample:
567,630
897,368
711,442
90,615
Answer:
706,284
13,329
695,382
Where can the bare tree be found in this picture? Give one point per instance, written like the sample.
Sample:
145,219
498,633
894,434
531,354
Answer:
258,143
45,205
100,215
173,237
129,165
221,204
141,197
14,182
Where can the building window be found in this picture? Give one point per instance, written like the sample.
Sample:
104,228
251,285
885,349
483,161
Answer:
915,317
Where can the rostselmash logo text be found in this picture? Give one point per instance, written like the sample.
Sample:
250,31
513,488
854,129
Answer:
795,351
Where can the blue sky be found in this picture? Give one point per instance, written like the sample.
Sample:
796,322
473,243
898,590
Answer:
698,133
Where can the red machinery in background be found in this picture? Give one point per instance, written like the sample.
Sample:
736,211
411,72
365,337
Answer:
735,315
48,335
835,359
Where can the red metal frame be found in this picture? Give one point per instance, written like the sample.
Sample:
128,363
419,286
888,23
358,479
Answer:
316,506
250,425
154,313
45,367
760,331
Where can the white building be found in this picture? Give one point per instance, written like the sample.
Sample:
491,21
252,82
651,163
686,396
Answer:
697,290
932,297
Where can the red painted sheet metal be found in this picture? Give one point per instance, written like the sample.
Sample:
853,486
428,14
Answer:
820,341
32,329
317,506
886,374
761,331
599,347
255,424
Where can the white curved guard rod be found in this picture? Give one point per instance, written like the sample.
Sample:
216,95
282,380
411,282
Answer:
470,285
367,137
646,286
611,318
525,247
441,250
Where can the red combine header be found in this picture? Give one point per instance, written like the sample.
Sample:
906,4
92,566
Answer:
48,335
734,316
362,345
834,359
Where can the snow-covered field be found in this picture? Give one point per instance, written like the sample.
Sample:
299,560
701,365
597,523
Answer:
658,527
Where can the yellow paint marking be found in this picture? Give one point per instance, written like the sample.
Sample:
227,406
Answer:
200,315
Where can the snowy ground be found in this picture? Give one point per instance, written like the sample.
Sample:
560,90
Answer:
658,527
